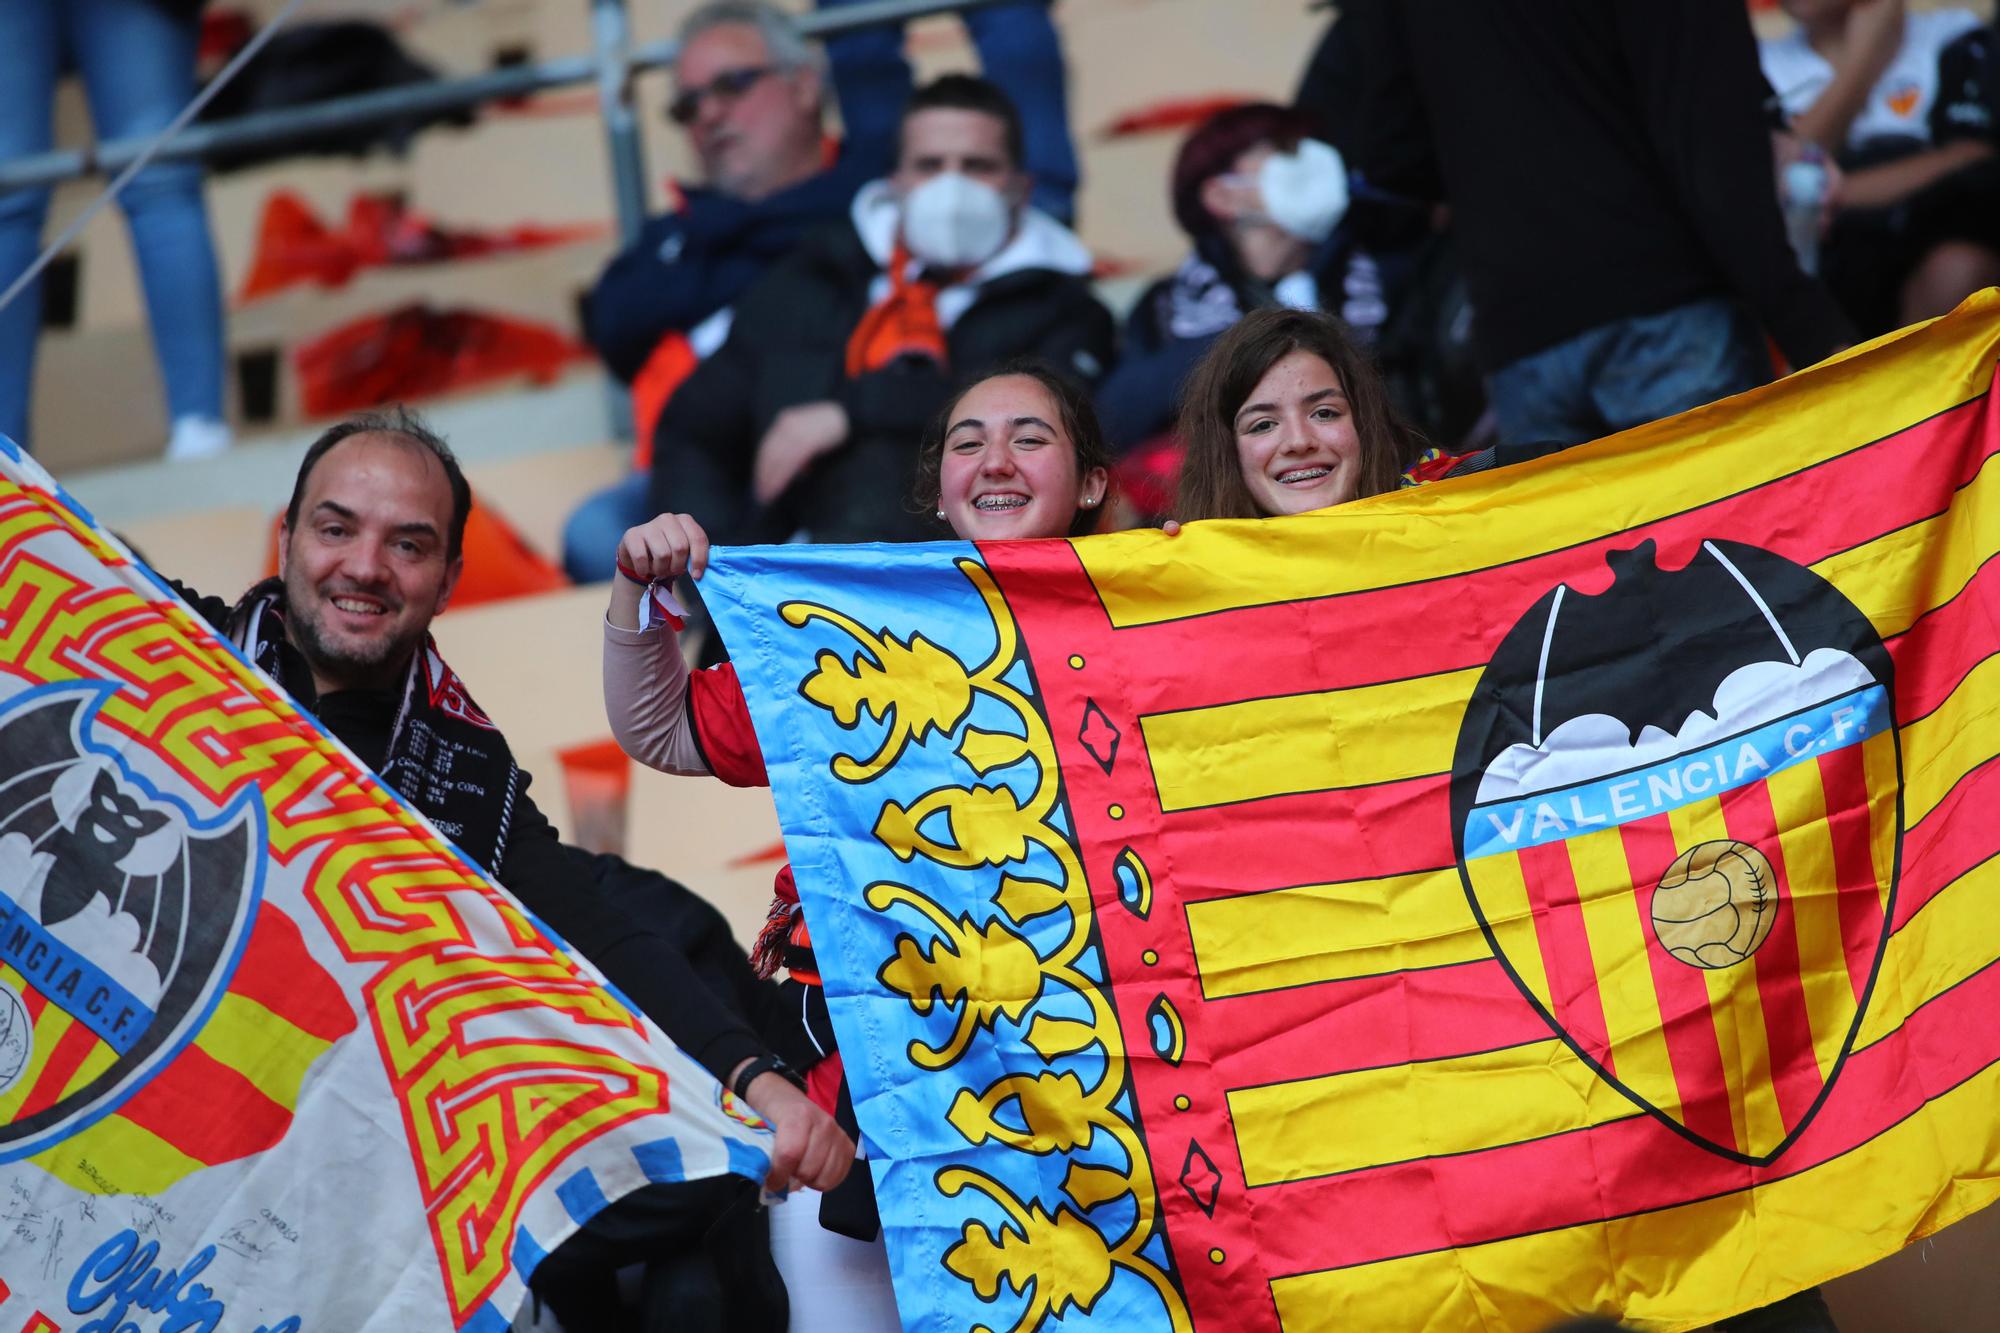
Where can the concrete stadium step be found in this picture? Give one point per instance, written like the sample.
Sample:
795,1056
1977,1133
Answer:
564,421
98,400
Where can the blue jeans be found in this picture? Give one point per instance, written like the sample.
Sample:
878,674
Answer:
1018,50
590,534
137,62
1629,372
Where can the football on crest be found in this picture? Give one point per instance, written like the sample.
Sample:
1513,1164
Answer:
1715,905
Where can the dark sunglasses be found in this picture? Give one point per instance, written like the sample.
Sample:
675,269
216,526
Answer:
728,85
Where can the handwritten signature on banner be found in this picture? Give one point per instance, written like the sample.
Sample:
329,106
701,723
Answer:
122,1277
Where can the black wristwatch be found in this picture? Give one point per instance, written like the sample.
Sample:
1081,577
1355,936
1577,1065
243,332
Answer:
765,1064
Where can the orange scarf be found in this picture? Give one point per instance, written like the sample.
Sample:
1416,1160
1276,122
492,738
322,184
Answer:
903,323
672,361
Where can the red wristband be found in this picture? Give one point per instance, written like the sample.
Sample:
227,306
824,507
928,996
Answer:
626,571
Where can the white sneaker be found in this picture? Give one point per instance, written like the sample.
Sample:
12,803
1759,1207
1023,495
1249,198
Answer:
198,437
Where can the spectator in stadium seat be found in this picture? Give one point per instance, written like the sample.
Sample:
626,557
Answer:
1266,205
810,415
137,58
1609,172
371,551
1906,104
749,90
1019,49
1263,236
1285,414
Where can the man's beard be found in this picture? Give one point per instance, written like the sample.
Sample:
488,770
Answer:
371,664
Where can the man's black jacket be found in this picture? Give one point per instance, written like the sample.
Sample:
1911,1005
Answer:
788,346
667,950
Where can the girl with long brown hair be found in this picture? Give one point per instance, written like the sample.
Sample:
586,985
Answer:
1017,454
1284,415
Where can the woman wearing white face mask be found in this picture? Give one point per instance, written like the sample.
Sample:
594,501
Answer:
1263,201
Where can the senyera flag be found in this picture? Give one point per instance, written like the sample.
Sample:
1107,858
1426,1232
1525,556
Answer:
273,1054
1563,889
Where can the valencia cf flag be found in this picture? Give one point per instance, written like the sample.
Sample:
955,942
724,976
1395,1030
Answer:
274,1053
1566,889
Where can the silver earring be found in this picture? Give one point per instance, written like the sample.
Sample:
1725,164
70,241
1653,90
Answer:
940,513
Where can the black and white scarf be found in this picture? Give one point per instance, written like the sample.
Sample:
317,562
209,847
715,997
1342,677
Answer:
1210,291
445,755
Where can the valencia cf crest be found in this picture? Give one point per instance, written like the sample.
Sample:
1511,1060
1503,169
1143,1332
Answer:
1677,810
123,910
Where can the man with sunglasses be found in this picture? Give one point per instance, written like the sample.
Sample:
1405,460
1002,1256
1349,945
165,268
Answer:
748,90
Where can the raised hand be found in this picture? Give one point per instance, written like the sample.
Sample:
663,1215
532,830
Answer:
663,548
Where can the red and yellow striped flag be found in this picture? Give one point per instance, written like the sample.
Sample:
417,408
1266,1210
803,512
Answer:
1570,888
1361,932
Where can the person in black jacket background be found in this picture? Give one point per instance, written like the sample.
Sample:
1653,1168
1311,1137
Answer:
810,415
1613,196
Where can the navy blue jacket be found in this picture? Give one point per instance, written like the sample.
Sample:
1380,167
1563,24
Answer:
689,264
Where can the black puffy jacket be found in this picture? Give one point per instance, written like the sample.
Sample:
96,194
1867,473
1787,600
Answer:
788,346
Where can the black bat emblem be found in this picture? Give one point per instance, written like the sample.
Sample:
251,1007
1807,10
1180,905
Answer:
87,856
98,871
1652,649
92,833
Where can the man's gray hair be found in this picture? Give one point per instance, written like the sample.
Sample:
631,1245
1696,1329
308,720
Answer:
788,46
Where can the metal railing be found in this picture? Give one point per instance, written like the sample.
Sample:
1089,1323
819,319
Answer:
610,67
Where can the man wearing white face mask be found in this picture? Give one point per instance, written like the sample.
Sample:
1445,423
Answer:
809,416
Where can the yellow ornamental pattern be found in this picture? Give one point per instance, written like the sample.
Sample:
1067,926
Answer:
489,1116
452,951
997,971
